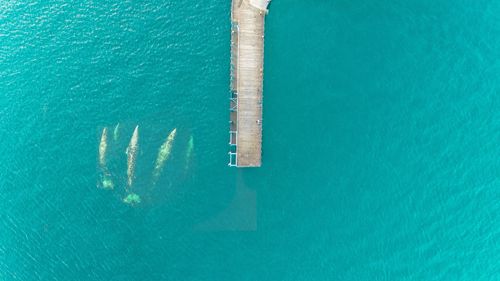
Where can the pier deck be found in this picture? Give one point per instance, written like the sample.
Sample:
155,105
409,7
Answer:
247,63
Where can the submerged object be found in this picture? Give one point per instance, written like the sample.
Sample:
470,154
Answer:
189,152
132,154
116,132
107,183
102,147
132,199
163,155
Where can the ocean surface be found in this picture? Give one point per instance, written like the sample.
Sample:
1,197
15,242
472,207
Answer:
381,149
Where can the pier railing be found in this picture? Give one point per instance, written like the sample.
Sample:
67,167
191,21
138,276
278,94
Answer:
233,98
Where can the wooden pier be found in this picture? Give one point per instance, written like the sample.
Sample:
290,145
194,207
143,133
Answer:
247,65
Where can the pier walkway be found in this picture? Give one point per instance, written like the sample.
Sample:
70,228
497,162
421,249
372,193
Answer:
247,64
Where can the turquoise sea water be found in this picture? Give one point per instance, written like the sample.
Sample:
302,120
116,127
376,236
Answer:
381,142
